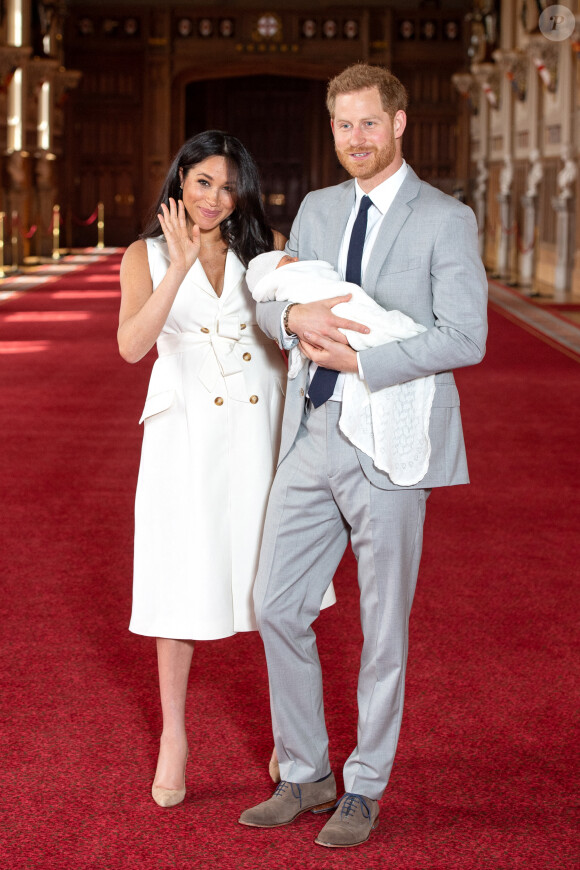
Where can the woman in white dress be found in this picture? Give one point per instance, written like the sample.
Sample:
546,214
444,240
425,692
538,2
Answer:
212,418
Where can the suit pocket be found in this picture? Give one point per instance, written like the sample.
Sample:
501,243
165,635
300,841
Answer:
394,268
157,403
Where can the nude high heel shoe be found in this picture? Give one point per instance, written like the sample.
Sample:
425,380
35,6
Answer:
169,797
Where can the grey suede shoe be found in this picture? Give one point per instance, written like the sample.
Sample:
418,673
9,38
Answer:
290,800
356,816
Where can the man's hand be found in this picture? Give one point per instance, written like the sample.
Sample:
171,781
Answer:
317,318
329,353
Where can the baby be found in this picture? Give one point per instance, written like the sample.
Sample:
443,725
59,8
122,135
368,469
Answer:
313,280
390,425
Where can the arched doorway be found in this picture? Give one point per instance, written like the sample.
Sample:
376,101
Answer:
283,122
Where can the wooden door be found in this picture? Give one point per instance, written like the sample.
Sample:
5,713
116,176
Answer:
284,124
105,142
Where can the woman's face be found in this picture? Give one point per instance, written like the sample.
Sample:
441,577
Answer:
208,192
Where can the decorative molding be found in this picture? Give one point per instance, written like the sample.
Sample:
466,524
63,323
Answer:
575,38
466,85
481,178
544,55
506,176
487,76
11,58
65,80
40,70
567,175
514,65
535,173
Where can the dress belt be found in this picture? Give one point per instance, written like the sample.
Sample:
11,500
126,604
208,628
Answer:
221,358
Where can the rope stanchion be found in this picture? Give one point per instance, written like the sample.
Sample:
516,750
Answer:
14,240
99,216
101,225
56,232
2,224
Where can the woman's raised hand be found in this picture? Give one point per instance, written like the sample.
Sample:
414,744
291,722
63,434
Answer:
182,243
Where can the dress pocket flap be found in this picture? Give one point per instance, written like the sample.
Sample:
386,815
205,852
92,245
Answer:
157,403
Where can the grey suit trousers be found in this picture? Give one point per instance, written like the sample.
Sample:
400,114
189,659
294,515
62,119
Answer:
320,496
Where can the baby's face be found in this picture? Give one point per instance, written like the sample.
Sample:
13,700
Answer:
285,260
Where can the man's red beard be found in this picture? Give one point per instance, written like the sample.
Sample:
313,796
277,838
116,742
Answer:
375,162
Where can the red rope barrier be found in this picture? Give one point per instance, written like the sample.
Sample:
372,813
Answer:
90,220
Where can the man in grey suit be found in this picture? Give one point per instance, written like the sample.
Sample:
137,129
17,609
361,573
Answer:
416,250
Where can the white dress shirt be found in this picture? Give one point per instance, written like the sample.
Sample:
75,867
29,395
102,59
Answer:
381,197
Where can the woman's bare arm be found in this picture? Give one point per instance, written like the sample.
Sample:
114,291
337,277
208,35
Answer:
144,312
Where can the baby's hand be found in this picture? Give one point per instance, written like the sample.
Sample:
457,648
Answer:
287,259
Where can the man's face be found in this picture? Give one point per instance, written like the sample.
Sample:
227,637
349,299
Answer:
366,138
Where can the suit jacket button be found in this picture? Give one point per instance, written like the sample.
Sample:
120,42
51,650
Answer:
253,399
247,357
204,329
301,391
219,400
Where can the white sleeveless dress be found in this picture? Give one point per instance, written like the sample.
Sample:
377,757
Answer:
212,422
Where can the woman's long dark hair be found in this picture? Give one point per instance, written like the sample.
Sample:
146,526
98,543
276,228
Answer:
245,231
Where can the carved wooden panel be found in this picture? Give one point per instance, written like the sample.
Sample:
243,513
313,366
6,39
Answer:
105,141
278,120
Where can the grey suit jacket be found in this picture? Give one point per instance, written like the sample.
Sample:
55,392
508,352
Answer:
425,263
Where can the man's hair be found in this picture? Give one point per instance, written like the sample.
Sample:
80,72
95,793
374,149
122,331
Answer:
362,76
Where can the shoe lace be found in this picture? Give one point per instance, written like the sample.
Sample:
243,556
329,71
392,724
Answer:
294,786
351,802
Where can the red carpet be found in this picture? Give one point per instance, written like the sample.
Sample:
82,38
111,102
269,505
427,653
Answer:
486,769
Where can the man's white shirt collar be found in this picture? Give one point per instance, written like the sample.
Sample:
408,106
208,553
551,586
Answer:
384,193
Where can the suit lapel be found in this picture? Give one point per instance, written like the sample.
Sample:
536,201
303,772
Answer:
390,228
336,225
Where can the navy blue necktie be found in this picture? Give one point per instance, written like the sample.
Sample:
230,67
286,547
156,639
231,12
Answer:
324,381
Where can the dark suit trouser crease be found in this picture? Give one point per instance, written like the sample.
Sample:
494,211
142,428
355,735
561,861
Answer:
319,497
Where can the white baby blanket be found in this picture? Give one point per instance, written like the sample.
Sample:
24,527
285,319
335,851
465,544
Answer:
390,425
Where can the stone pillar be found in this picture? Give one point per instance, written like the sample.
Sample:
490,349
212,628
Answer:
504,198
503,245
480,200
46,195
563,273
564,241
528,252
18,203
